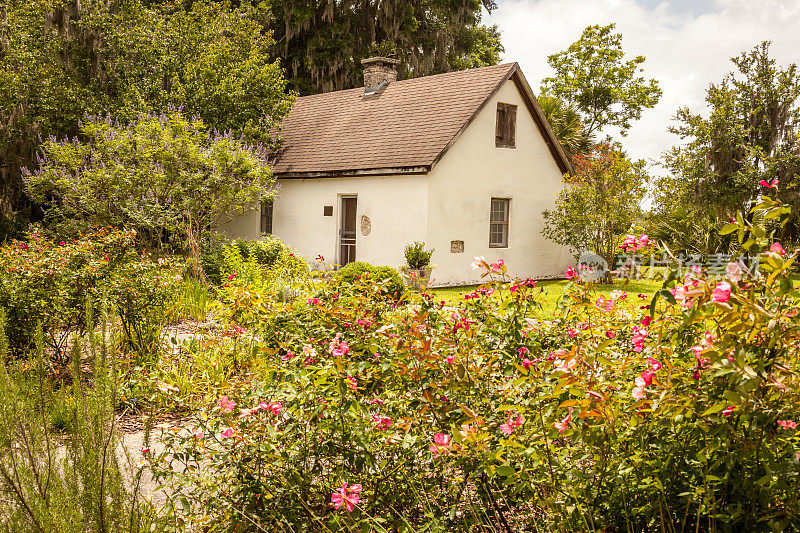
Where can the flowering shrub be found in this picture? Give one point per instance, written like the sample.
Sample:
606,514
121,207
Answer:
622,413
48,284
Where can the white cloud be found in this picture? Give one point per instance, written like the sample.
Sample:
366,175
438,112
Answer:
684,52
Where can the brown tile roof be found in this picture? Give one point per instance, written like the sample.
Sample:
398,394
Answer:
404,128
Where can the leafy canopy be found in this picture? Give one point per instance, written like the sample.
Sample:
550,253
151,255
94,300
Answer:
750,134
164,176
593,75
600,203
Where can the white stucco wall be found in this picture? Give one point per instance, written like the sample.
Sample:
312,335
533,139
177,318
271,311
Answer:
471,173
396,207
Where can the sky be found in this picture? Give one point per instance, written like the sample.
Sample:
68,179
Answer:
688,45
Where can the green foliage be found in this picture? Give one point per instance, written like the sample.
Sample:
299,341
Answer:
750,134
322,47
163,176
46,284
606,416
600,204
76,484
391,284
71,59
416,255
567,125
593,75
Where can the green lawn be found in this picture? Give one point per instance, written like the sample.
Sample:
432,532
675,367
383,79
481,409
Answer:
552,291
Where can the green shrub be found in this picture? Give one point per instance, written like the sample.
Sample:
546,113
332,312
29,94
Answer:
416,255
46,284
391,282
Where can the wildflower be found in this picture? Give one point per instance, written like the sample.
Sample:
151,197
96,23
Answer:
563,424
787,424
199,434
320,259
478,262
570,273
769,185
347,496
733,271
382,422
496,267
654,363
450,359
512,422
225,404
523,351
226,433
314,301
527,363
722,292
776,248
728,411
572,332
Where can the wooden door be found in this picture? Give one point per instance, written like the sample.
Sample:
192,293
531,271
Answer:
347,230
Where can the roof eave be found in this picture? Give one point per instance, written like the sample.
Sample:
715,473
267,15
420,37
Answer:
383,171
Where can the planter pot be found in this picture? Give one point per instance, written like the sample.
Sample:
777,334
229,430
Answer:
418,278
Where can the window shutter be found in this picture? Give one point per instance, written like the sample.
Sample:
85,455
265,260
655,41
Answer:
511,123
505,129
499,130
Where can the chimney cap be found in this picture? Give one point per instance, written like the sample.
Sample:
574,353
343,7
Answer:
379,59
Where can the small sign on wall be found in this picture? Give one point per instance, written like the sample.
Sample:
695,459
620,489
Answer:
327,210
456,247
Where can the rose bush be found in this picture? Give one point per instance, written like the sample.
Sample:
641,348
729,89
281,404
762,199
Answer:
620,413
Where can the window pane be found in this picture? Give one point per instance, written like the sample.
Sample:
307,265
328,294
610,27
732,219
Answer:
498,222
266,217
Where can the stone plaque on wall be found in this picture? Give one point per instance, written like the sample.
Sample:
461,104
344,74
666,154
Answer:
366,225
327,210
456,247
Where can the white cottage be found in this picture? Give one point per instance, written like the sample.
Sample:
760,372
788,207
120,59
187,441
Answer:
464,161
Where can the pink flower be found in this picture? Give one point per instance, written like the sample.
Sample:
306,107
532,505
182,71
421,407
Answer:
337,348
572,332
728,411
638,338
226,433
722,292
523,351
478,262
527,363
376,401
225,404
563,424
382,422
646,320
144,451
570,273
347,496
647,377
450,359
440,441
512,423
352,382
769,185
496,267
638,392
610,334
776,248
733,271
314,301
654,363
787,424
199,434
320,259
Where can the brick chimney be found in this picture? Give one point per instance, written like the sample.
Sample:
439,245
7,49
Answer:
378,72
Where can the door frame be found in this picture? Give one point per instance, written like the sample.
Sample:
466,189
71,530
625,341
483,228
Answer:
340,228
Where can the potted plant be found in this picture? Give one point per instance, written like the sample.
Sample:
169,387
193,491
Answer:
418,264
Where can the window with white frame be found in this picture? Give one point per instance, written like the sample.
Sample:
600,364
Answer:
498,222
